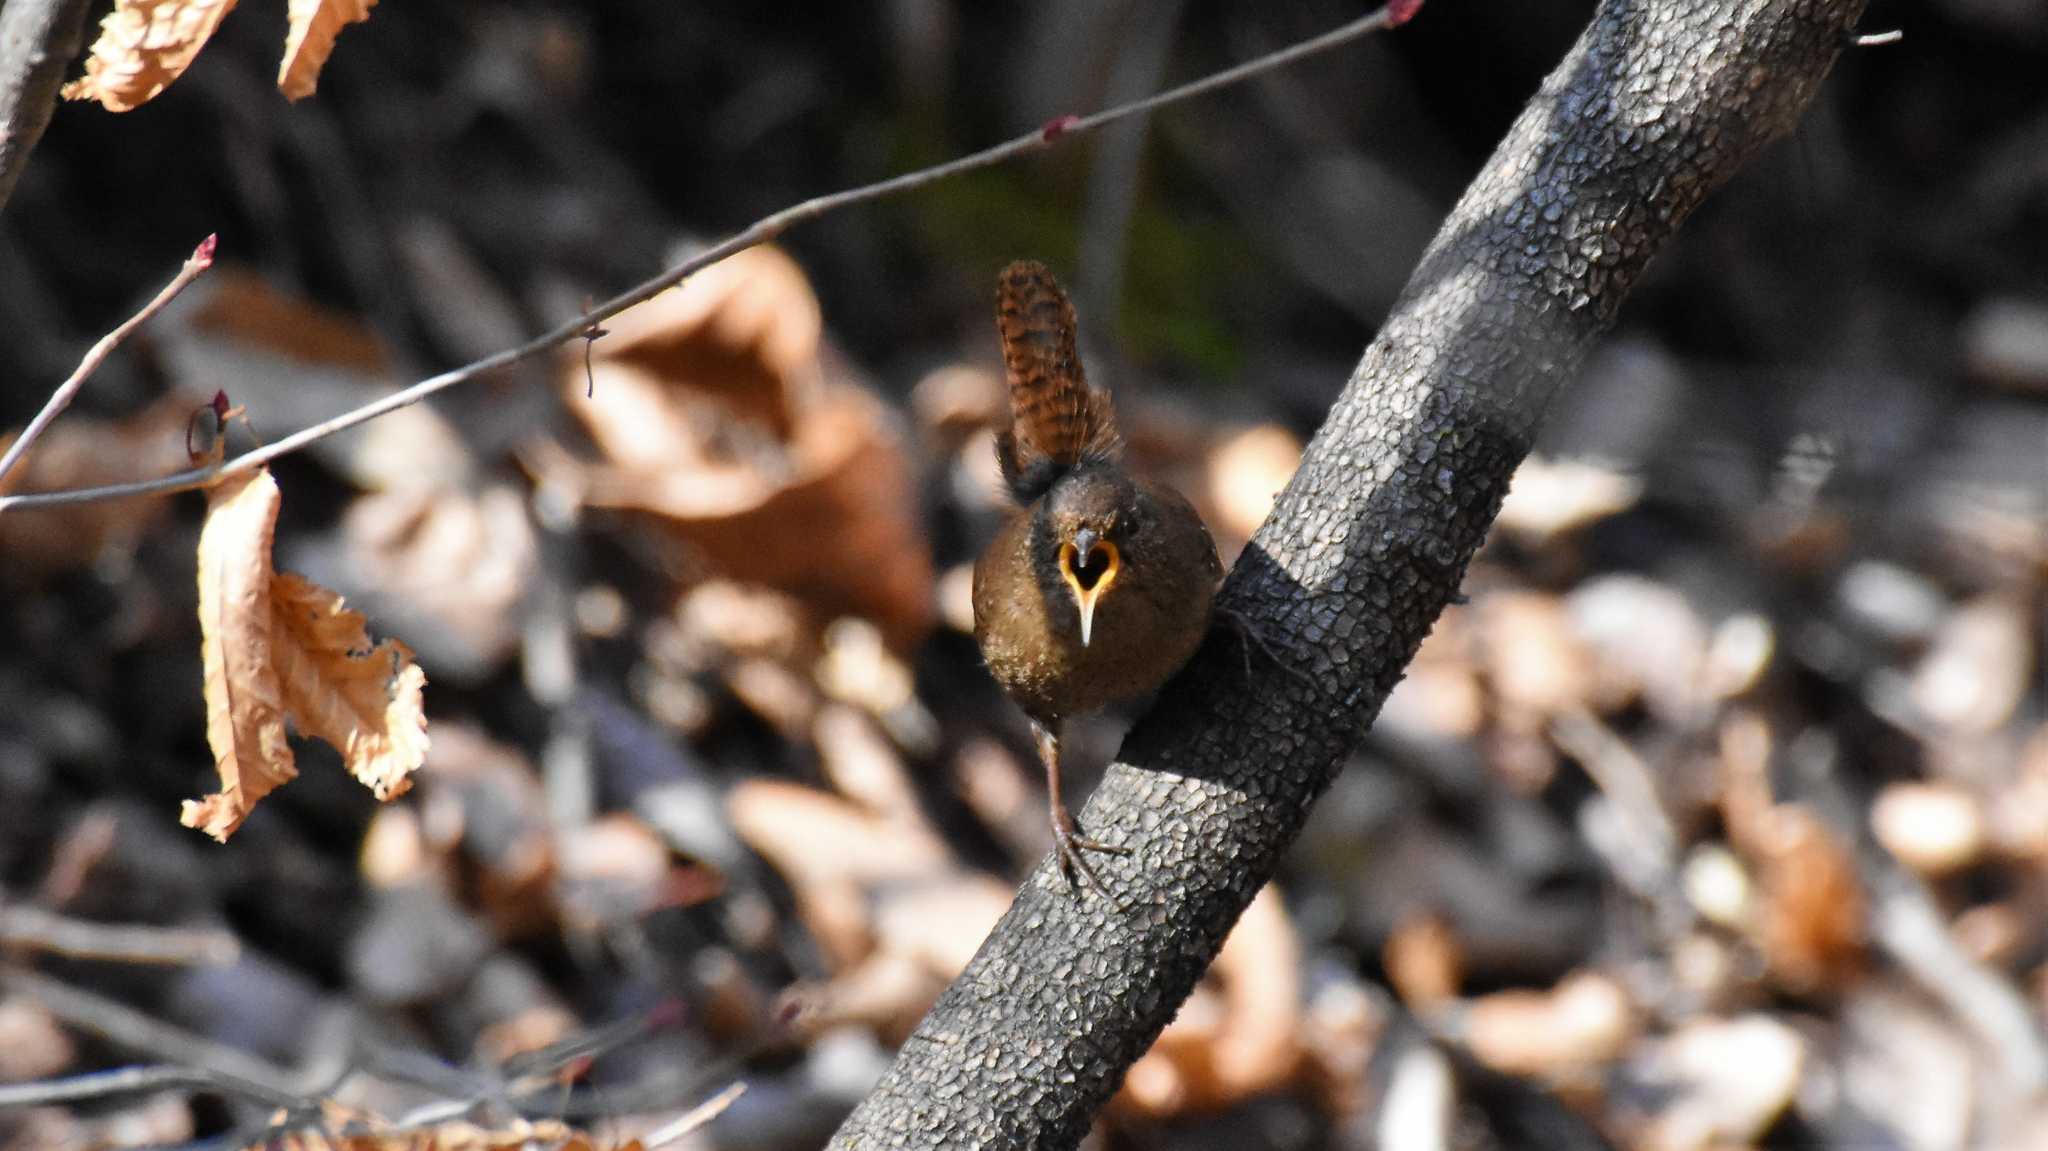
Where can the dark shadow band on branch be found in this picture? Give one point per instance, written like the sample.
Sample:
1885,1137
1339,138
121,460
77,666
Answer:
1657,104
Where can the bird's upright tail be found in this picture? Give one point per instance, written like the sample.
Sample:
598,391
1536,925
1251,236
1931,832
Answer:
1057,421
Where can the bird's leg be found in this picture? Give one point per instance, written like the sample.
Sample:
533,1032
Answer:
1248,637
1066,838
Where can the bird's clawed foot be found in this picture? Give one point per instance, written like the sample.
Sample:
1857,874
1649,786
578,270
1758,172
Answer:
1069,844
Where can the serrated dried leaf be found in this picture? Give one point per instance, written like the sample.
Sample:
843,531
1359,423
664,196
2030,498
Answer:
314,25
366,701
277,647
244,701
144,45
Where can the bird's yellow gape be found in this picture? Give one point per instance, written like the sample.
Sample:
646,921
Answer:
1088,565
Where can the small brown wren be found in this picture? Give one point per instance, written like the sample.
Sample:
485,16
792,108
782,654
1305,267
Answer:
1099,584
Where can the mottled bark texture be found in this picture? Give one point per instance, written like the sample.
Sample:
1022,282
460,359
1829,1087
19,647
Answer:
1658,103
38,40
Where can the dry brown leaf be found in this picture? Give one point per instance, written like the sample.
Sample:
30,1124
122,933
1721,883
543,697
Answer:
81,451
244,700
447,566
775,693
746,620
501,828
744,332
1811,928
144,45
278,645
959,399
314,25
1424,960
833,522
725,419
615,860
364,700
367,1132
887,992
2020,822
858,759
1980,668
1809,916
923,937
1241,1035
833,854
1585,1021
245,313
814,837
942,924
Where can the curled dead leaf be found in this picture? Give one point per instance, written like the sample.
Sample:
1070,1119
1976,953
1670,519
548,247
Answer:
275,646
314,25
143,45
364,700
836,529
244,700
745,332
722,423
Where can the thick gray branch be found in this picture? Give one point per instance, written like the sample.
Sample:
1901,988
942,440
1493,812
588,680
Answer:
38,40
1658,103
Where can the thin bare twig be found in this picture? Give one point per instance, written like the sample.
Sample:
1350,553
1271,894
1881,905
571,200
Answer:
137,1080
200,260
132,1030
694,1118
34,929
759,232
1649,841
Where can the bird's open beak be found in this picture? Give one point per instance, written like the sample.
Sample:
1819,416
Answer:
1088,564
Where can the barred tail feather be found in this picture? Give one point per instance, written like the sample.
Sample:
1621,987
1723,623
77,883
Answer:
1057,421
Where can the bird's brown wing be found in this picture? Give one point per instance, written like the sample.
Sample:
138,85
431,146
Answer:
1057,421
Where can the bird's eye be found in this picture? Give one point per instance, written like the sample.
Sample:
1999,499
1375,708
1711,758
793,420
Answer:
1096,566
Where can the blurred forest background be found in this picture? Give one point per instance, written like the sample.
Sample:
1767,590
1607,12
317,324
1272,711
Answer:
1717,817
